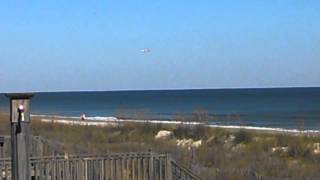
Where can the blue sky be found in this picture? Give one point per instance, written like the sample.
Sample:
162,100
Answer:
94,45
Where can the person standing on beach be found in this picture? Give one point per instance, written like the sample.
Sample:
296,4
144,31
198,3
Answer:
83,116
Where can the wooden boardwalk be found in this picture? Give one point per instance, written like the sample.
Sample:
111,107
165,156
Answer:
122,166
112,166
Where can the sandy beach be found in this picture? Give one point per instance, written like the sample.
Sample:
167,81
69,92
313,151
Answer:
113,121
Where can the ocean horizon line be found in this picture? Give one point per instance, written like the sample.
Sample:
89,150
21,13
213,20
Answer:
167,89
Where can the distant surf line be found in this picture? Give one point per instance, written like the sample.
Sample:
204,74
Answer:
110,120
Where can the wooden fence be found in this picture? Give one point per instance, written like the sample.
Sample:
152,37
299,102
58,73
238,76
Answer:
39,146
180,172
125,166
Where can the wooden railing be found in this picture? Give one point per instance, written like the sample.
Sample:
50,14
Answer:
126,166
38,146
180,172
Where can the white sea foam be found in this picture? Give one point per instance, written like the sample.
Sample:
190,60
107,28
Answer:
104,121
95,118
264,129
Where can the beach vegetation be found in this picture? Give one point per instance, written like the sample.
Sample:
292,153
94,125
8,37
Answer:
223,153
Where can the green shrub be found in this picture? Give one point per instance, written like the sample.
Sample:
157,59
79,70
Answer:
298,149
281,140
242,136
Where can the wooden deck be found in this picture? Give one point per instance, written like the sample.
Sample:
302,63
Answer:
122,166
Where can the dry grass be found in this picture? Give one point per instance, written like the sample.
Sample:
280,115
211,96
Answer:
224,155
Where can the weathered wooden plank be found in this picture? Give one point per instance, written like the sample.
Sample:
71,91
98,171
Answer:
123,167
127,169
47,169
107,170
168,168
116,167
133,161
151,170
112,170
41,169
160,169
145,168
7,171
101,169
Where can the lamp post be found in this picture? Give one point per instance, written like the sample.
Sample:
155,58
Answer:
20,135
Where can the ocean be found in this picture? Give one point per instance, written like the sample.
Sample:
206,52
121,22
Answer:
287,108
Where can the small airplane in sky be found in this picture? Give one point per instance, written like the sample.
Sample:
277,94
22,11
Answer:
145,50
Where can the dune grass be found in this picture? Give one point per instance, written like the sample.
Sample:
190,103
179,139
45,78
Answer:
224,154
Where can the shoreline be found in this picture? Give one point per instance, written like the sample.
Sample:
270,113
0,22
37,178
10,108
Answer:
112,121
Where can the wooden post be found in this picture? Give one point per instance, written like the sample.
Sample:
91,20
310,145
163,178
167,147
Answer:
1,147
151,169
20,135
168,167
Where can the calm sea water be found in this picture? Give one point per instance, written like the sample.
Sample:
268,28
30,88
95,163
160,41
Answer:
289,108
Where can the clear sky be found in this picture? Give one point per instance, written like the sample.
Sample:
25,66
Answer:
95,45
